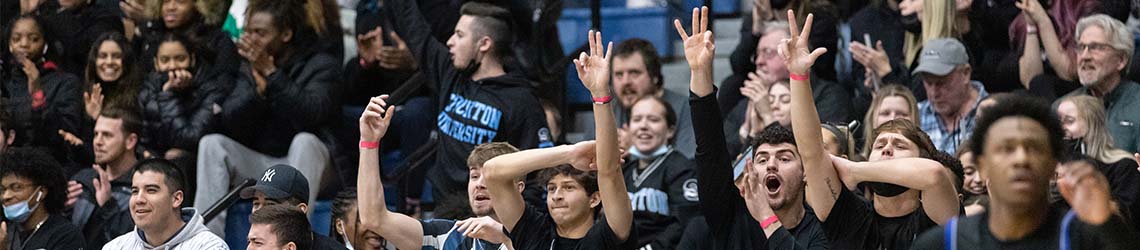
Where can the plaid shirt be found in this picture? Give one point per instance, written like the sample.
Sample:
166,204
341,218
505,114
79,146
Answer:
945,140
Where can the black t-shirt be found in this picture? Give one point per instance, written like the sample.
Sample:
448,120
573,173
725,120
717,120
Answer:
536,231
854,224
443,235
974,233
56,233
321,242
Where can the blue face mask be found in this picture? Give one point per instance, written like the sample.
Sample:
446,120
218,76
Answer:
637,154
20,212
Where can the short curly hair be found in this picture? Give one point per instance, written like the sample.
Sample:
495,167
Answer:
775,134
37,165
1020,106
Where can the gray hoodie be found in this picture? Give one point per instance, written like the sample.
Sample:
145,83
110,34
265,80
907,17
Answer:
192,236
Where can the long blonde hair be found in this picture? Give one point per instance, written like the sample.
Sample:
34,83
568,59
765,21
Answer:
938,20
1098,143
885,91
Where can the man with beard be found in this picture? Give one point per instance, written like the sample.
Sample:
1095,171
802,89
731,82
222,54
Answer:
636,74
771,214
99,197
1105,47
482,232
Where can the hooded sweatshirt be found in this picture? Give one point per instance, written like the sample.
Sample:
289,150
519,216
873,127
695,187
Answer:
193,236
472,112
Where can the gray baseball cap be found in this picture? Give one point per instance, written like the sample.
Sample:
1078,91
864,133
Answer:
941,56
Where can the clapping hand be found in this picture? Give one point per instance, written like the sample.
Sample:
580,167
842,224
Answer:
93,101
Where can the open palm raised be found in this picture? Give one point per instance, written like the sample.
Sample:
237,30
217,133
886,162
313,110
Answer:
594,68
795,49
699,47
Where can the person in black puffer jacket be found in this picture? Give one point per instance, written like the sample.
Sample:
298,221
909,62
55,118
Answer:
280,111
199,21
42,101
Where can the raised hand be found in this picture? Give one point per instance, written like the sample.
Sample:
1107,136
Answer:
699,48
93,101
583,157
1033,11
376,119
594,68
396,57
102,185
1087,192
484,228
74,189
795,50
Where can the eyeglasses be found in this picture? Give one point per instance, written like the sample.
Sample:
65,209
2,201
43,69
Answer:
1097,47
764,53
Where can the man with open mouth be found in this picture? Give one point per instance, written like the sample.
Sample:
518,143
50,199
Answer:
765,209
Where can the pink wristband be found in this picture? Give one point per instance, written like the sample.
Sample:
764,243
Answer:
768,222
796,77
369,144
603,100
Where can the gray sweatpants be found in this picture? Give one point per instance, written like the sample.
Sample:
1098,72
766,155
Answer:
223,162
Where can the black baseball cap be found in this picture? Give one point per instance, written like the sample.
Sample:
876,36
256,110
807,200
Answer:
280,182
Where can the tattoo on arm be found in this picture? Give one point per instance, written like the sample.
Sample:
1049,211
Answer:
834,193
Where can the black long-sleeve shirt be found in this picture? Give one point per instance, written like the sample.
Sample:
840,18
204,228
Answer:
974,233
729,222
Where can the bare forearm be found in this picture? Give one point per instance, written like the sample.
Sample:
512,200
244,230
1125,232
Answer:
505,168
824,184
1058,58
611,183
915,173
370,188
1030,61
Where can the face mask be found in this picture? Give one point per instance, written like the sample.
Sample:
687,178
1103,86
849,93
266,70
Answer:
1074,147
347,243
911,23
20,212
637,154
886,189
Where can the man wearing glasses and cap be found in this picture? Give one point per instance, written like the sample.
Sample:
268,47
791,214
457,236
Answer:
283,184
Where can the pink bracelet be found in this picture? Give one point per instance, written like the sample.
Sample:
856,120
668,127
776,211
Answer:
797,77
369,144
768,222
603,100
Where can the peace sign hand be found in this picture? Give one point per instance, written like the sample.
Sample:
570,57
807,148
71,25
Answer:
699,48
795,49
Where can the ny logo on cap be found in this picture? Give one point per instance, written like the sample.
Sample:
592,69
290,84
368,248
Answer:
268,177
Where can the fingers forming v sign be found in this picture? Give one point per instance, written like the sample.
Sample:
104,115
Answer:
699,47
594,68
795,49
